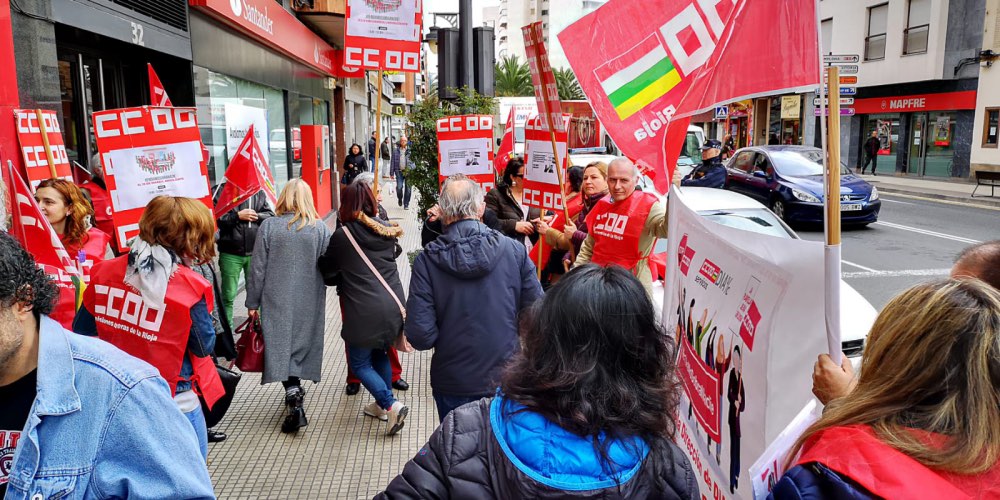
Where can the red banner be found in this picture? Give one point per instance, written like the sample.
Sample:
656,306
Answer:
157,94
247,174
382,34
541,183
703,387
147,152
506,145
29,136
465,146
642,66
546,91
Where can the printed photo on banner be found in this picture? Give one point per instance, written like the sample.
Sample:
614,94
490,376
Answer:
465,156
168,169
465,146
389,19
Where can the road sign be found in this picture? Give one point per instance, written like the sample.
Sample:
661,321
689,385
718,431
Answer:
843,111
844,101
843,90
848,69
721,112
845,80
841,59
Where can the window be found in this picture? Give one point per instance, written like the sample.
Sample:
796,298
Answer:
744,161
918,19
875,41
826,28
761,163
990,139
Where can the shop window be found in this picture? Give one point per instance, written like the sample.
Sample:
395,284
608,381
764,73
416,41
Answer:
990,128
875,41
918,19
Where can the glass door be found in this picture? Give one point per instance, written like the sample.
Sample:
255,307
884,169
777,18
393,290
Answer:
940,146
918,144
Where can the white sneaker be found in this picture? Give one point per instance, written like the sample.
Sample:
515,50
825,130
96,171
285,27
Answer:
397,414
375,411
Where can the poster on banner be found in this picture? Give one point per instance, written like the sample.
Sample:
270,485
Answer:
465,146
29,138
641,67
239,119
542,78
541,182
383,34
147,152
742,307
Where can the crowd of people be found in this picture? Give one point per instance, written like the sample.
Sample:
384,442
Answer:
551,387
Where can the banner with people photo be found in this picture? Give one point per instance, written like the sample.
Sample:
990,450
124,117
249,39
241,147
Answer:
42,153
742,307
541,182
147,152
465,146
383,34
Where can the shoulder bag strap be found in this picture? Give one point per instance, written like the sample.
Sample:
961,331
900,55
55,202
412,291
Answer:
350,237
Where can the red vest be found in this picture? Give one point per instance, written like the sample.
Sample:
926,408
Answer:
574,206
158,336
617,228
102,209
93,249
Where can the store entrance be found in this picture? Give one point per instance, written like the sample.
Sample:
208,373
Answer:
931,146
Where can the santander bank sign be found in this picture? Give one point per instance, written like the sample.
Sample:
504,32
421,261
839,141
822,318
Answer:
252,15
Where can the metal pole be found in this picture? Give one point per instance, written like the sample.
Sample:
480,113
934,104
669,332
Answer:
467,65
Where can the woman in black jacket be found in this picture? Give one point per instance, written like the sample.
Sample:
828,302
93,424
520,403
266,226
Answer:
507,202
354,164
372,316
552,431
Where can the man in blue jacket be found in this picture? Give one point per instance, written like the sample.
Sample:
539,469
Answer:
711,173
80,418
467,291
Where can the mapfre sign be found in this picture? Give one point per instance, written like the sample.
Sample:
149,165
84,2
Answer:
383,35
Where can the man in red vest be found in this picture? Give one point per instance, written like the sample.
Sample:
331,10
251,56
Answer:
98,192
624,226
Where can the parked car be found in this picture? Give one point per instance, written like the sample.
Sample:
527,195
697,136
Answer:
736,210
789,180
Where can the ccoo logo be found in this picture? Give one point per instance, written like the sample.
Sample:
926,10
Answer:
237,6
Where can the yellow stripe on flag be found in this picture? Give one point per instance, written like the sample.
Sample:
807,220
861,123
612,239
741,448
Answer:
651,93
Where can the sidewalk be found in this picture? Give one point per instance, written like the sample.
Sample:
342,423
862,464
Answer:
957,191
341,453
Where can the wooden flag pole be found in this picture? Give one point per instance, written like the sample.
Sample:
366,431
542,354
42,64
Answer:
45,143
378,136
832,249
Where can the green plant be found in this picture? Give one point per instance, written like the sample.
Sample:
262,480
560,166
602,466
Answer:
513,78
423,139
569,87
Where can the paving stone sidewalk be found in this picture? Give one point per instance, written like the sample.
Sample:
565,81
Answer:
341,453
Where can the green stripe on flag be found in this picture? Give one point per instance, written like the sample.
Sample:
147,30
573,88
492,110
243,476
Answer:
637,85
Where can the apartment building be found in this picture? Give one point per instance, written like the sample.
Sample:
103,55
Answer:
555,16
985,153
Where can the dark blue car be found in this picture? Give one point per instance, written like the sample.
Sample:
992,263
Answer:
789,180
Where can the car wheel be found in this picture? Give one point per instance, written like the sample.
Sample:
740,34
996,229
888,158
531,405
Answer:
778,207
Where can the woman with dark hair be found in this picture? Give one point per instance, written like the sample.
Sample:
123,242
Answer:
371,303
506,200
354,164
577,414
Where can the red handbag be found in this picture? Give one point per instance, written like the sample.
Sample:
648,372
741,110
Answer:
250,347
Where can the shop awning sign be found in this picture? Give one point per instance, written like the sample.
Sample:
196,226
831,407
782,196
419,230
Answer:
383,35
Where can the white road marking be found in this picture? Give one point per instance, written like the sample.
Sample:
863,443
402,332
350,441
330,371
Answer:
859,266
900,202
897,274
928,232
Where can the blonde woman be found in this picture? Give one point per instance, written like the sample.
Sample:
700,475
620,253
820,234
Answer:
924,418
286,288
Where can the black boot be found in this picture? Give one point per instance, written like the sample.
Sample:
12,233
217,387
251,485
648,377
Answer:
296,418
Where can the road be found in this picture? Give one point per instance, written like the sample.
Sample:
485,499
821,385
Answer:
913,241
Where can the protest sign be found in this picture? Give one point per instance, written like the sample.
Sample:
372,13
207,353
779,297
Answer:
465,146
743,307
542,77
247,174
147,152
641,67
541,181
383,34
34,143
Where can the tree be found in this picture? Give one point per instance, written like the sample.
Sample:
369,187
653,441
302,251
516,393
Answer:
513,78
569,87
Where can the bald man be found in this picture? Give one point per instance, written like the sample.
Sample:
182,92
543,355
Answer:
623,226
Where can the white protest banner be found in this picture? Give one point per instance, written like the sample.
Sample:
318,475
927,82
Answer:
541,182
383,34
165,169
747,315
239,118
465,146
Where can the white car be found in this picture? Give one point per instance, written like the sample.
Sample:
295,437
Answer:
736,210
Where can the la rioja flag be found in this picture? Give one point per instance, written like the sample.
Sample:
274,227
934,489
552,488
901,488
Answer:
157,94
506,145
247,175
643,68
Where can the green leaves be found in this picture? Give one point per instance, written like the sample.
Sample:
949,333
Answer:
569,87
513,78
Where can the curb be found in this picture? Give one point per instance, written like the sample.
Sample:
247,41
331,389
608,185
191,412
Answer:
985,202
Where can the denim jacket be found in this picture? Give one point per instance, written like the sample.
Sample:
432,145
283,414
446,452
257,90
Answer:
103,425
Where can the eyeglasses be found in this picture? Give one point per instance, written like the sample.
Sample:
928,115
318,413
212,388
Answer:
517,175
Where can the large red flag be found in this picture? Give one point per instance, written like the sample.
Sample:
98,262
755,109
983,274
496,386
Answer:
36,235
642,67
506,145
157,94
246,176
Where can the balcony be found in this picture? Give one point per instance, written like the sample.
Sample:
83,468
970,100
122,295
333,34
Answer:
397,78
326,18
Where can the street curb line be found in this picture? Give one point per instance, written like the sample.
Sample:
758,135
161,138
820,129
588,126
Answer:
940,198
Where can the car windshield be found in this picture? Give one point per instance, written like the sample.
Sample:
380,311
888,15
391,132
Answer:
800,163
691,153
758,220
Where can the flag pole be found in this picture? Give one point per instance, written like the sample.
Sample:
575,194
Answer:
832,249
378,135
45,143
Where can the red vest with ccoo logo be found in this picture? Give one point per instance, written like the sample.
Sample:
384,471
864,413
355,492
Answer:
157,335
617,228
102,209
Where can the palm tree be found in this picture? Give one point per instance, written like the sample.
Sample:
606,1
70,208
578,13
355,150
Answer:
513,78
569,88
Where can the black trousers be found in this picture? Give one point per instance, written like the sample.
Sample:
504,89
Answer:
873,159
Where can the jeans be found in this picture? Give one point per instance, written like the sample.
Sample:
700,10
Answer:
397,367
447,402
231,267
197,419
402,190
372,368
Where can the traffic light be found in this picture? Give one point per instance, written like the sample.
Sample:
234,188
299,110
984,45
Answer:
448,62
482,40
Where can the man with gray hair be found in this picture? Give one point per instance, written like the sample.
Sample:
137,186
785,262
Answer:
623,227
467,290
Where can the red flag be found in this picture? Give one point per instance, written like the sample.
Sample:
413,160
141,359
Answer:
544,81
642,67
81,175
36,235
246,176
157,94
506,145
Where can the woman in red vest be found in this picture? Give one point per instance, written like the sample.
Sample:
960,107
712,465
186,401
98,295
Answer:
66,209
924,418
150,304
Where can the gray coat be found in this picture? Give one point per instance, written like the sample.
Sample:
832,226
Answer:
286,285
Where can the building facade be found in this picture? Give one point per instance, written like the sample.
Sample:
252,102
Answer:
555,16
985,153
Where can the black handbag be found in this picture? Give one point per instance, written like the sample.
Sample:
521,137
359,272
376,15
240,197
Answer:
230,379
